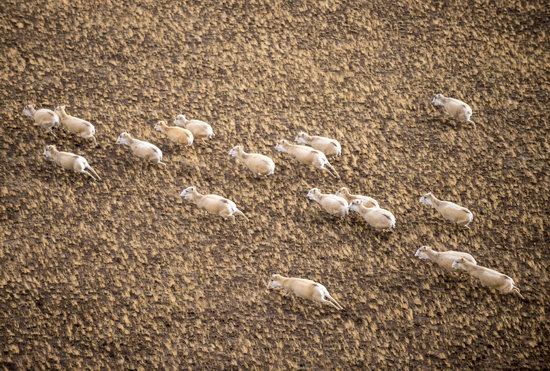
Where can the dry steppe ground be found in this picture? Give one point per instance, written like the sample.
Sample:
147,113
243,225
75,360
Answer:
122,274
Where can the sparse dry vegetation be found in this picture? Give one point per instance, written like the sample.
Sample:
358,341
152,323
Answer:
122,273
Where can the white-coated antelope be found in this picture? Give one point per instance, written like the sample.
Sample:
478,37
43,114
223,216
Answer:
330,147
366,200
142,149
444,259
79,127
200,129
305,289
175,133
449,210
488,277
374,216
213,204
307,155
70,161
332,204
257,163
43,117
455,108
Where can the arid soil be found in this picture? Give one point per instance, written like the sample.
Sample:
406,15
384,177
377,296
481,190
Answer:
122,273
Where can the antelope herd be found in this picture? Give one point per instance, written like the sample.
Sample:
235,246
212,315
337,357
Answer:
310,150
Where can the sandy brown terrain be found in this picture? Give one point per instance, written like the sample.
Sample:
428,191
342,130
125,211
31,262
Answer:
122,273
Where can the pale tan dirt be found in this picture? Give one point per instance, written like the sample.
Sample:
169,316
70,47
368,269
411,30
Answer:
122,273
